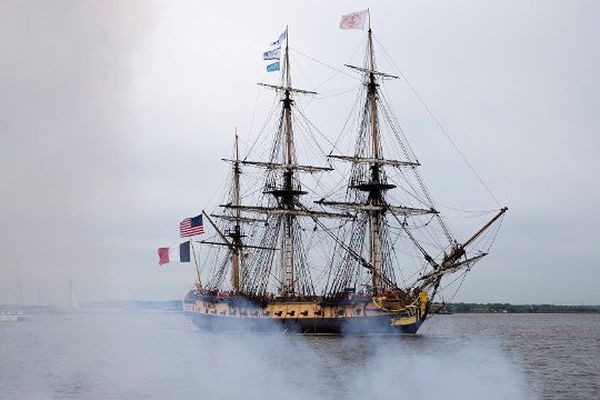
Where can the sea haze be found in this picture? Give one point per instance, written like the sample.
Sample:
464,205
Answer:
160,355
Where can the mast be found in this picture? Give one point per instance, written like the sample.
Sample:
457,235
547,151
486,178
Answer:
73,301
375,196
283,184
288,199
236,234
369,177
232,236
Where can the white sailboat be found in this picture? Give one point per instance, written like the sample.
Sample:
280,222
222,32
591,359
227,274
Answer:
16,315
72,307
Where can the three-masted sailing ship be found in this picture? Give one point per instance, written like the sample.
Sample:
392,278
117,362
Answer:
380,232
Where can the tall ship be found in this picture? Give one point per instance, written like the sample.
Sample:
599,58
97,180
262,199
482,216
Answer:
352,245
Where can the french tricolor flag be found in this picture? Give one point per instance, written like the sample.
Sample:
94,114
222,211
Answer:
184,253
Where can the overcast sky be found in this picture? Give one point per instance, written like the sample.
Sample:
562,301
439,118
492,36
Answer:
114,116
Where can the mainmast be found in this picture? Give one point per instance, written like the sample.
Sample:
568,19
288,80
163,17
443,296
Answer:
236,233
284,185
287,199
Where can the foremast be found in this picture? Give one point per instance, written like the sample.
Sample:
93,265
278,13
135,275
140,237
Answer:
377,188
369,177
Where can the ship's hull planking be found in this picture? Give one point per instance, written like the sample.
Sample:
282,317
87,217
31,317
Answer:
357,317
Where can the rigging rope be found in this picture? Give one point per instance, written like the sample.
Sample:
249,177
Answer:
439,124
341,71
269,118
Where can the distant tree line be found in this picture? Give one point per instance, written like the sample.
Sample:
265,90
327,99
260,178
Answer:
517,308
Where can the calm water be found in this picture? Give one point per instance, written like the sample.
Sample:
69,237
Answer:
161,356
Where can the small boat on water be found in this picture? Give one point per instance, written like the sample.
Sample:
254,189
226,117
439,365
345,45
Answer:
13,316
72,308
14,313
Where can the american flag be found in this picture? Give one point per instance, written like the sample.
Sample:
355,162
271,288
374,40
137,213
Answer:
191,226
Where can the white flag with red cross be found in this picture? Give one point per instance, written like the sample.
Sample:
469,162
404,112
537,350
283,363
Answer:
355,20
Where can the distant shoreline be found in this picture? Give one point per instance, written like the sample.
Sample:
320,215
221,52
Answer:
448,308
506,308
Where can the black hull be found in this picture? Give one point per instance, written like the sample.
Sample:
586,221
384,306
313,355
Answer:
335,326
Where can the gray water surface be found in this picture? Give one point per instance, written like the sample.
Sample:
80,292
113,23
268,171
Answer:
161,356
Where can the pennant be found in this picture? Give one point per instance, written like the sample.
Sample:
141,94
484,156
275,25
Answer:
282,37
274,54
273,67
163,255
184,252
355,20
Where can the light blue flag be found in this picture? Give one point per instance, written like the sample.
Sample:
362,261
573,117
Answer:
282,37
274,54
273,67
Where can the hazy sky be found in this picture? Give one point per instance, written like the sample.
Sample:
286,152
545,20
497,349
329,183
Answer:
114,116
